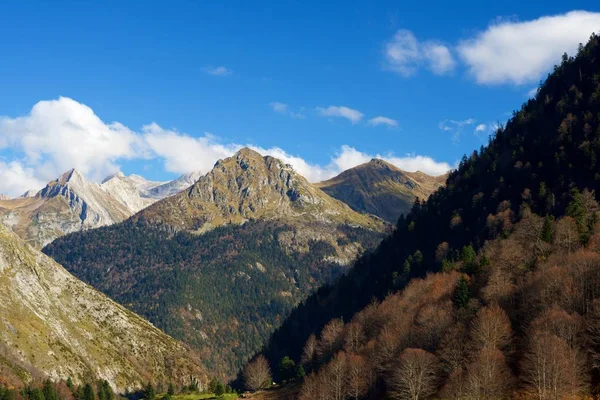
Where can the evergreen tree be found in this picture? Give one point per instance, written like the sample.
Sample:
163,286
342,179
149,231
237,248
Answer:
287,368
70,384
36,394
149,392
171,390
49,390
105,392
461,293
88,392
300,373
547,230
220,389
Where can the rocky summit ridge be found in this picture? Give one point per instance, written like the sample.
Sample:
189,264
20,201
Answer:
249,186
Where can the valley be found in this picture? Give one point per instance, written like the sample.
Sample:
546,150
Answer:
298,201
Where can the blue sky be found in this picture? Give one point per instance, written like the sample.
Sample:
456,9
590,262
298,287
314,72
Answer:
299,79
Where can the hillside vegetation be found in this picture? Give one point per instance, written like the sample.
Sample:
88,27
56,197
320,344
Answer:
55,326
493,223
222,264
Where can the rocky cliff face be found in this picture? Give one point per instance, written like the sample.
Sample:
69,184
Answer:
67,204
381,189
249,186
71,203
131,191
175,186
52,324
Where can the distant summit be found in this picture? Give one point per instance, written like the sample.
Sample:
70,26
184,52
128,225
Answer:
379,188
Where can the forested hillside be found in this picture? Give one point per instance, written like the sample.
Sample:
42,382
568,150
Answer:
222,264
534,169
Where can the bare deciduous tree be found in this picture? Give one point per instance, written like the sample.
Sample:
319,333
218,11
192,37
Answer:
491,328
552,369
331,338
358,377
488,377
335,373
566,235
355,337
257,374
416,376
309,351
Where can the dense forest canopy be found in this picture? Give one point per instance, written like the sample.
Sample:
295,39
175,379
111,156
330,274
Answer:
223,292
538,163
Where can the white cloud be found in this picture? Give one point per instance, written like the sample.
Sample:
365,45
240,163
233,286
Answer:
349,157
521,52
16,179
404,54
218,71
481,128
61,134
439,59
380,120
183,153
284,109
455,127
350,114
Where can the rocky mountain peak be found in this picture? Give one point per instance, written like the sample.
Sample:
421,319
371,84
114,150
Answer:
4,196
119,175
248,185
71,176
379,163
29,193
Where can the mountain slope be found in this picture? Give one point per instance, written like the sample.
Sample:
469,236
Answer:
268,238
130,190
249,186
546,150
53,324
175,186
67,204
381,189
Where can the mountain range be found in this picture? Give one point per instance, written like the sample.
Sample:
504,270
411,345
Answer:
220,264
71,203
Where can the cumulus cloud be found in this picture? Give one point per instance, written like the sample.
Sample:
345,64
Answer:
404,54
183,153
350,114
15,179
61,134
218,71
521,52
380,120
